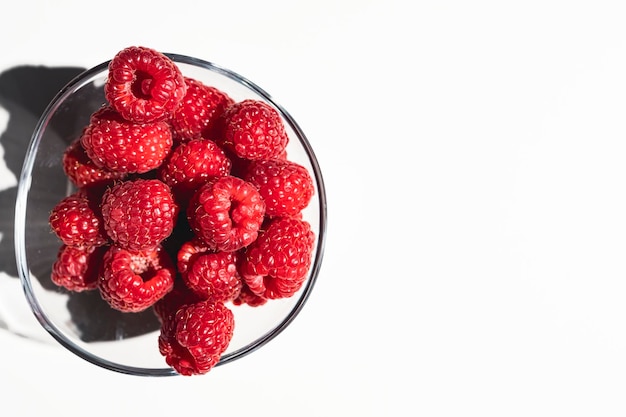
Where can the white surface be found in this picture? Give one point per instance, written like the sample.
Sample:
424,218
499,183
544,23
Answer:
474,161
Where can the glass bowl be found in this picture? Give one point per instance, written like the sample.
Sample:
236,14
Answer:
82,322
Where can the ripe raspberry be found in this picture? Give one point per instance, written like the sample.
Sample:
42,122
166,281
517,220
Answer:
188,251
214,275
193,341
277,263
82,171
286,187
144,85
199,111
246,296
139,214
134,281
190,164
226,213
75,222
118,145
273,288
77,268
253,129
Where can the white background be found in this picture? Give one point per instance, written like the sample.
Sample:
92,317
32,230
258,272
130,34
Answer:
474,157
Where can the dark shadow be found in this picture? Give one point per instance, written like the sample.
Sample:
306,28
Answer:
96,321
25,92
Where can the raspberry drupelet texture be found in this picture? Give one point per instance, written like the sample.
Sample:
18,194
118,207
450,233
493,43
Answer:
144,85
193,340
247,297
77,268
286,187
82,171
277,263
76,223
117,145
190,164
199,112
187,252
132,281
139,214
252,129
226,213
214,275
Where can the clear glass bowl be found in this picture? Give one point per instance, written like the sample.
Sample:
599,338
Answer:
82,322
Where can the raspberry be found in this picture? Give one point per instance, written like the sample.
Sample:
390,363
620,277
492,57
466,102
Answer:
253,129
77,268
188,251
273,288
75,222
134,281
214,275
139,214
193,340
82,171
199,112
246,296
277,263
118,145
144,85
190,164
226,213
286,187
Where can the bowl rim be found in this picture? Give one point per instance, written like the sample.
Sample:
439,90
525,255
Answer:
24,183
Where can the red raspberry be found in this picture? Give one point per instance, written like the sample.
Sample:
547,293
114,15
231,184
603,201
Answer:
82,171
193,340
214,275
286,187
118,145
246,296
277,263
253,129
134,281
199,111
273,288
190,164
144,85
226,213
77,268
187,252
75,222
139,214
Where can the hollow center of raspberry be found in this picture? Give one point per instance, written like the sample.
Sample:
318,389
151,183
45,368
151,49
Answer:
142,86
234,211
141,265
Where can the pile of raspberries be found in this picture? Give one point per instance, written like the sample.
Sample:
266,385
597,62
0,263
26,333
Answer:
185,203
